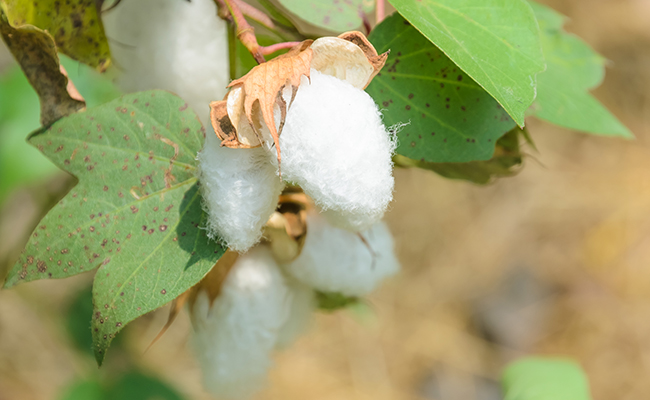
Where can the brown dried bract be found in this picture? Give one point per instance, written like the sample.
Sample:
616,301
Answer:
262,87
376,60
286,230
349,57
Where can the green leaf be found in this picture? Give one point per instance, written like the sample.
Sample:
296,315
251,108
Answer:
496,42
450,117
84,390
74,24
563,89
333,15
506,161
20,163
137,386
536,378
332,301
136,212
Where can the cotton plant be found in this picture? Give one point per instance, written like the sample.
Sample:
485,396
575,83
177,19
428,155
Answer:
297,120
251,192
311,127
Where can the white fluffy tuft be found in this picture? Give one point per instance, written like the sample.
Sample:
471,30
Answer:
337,260
233,339
240,192
175,45
335,146
303,305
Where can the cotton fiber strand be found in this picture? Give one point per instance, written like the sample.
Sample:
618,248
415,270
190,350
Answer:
234,339
335,146
240,192
303,305
175,45
337,260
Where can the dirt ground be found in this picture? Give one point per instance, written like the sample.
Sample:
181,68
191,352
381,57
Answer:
555,261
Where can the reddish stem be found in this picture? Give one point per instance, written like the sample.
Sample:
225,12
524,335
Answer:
256,15
380,11
276,47
245,32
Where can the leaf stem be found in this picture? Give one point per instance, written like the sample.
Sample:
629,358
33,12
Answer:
380,11
257,15
244,31
266,50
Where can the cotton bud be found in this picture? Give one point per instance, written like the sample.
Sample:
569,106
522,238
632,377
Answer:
337,149
240,192
175,45
235,335
337,260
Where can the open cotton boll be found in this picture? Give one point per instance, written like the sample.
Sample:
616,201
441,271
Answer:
240,192
175,45
337,260
303,305
234,338
335,146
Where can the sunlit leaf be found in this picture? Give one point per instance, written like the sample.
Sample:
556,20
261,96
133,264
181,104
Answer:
496,42
136,212
563,96
450,117
538,378
334,15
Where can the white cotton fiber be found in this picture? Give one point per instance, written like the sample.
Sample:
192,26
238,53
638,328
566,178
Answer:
233,339
335,146
240,192
175,45
303,305
337,260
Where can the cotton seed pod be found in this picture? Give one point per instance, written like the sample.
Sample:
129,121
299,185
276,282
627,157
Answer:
337,149
337,260
179,46
235,335
268,89
240,191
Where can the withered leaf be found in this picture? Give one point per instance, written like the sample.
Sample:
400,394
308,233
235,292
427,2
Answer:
75,26
35,51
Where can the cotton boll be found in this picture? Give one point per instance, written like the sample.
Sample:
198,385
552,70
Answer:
303,305
234,338
240,191
175,45
337,260
335,146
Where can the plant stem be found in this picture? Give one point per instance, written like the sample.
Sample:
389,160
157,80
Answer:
380,11
276,47
257,15
244,31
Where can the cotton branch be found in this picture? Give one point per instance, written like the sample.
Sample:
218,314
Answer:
244,31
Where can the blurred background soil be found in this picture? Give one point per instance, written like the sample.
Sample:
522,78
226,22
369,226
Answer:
553,261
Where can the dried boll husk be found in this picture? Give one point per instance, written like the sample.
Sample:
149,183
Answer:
269,89
336,260
235,334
